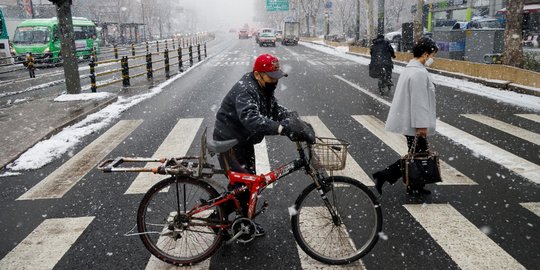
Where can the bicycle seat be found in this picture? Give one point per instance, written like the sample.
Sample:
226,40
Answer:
220,146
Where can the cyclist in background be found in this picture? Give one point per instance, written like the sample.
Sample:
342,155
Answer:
248,113
381,61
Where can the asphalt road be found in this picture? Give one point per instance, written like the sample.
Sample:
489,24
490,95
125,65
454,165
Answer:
487,218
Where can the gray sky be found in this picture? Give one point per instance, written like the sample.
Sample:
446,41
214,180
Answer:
222,14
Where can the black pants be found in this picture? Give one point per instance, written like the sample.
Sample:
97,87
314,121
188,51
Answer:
393,172
240,158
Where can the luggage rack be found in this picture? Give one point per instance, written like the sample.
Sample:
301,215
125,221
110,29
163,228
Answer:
193,166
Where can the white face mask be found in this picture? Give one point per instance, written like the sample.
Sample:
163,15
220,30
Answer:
429,61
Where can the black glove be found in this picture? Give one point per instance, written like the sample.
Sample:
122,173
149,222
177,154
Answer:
298,130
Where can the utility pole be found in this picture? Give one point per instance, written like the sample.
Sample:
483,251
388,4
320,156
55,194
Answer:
143,20
418,27
468,16
70,63
357,28
371,27
380,18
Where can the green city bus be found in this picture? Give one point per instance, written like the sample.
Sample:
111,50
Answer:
41,38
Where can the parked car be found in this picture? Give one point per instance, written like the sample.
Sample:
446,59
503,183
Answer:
268,38
279,35
487,23
395,37
460,26
243,34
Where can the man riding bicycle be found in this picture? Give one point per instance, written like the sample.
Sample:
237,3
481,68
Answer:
248,113
381,62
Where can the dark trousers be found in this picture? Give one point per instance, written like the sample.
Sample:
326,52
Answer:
393,172
240,158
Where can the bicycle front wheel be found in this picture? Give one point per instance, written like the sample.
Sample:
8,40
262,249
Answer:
168,232
347,235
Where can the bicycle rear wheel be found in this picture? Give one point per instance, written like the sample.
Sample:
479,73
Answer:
165,229
348,236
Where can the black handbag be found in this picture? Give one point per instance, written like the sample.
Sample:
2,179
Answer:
374,70
420,168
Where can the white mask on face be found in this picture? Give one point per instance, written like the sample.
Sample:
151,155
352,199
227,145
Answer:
429,61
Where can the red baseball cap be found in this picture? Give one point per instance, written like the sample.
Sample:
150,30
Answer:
269,64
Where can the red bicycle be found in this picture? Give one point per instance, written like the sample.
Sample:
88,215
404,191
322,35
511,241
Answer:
182,220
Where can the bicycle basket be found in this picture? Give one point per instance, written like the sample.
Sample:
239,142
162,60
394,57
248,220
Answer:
329,154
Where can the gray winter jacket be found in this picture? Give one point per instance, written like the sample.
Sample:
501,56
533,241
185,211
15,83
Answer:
413,105
247,114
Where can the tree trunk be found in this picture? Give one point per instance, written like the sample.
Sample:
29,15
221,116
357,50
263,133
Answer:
314,25
307,26
418,27
513,50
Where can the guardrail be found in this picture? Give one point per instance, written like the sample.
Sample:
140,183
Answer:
125,69
116,52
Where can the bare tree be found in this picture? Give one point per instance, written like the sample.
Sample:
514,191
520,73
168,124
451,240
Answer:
418,28
343,13
311,10
513,53
393,11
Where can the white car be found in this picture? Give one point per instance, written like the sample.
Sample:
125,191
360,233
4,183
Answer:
395,36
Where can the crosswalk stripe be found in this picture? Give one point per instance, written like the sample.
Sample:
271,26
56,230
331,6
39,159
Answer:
469,247
533,207
309,263
176,144
157,264
398,143
532,117
352,169
504,158
72,171
262,162
46,244
312,62
502,126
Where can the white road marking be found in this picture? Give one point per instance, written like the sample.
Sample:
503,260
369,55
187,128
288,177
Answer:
398,143
176,144
309,263
533,207
469,247
532,117
45,245
58,183
504,158
157,264
262,162
518,165
312,62
352,169
507,128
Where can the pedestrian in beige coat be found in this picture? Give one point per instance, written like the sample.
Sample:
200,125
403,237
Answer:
413,111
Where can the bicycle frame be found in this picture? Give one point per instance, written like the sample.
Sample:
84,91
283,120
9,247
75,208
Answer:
255,184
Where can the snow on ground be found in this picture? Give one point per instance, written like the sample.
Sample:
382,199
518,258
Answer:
48,150
82,96
513,98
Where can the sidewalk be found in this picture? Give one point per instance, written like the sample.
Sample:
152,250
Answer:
24,124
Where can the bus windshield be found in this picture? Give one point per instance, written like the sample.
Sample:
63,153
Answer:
31,35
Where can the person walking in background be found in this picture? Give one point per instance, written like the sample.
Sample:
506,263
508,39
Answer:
381,62
412,112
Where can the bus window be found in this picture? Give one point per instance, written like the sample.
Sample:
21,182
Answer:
31,35
84,32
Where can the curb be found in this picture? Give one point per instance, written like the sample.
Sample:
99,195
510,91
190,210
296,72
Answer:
503,85
500,84
58,128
